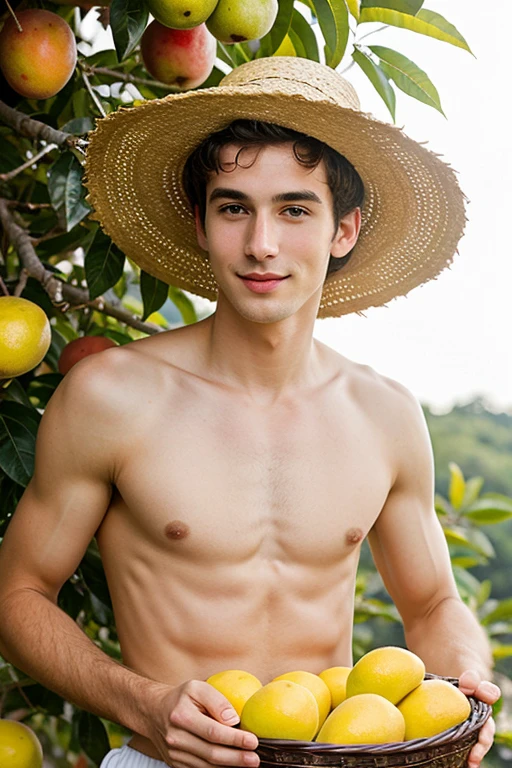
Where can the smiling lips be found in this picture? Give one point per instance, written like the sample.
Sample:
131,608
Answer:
262,282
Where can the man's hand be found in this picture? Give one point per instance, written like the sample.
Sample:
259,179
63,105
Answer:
192,727
471,684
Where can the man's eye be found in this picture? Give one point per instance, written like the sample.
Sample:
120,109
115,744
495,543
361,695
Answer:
229,207
294,208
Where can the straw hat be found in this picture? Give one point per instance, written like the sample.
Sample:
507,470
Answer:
413,215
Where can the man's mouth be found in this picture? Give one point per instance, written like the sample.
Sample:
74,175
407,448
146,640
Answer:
262,282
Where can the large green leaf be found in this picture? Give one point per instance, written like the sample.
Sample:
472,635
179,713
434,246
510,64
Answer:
471,539
128,20
153,292
473,488
333,19
488,511
425,23
378,79
302,29
353,6
103,263
93,736
404,6
270,42
414,82
183,303
66,190
503,612
18,430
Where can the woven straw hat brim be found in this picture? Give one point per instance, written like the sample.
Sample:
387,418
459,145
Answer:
413,217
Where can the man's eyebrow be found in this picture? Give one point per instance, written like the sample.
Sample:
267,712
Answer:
237,194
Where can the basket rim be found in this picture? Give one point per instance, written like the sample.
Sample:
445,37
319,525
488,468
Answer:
480,713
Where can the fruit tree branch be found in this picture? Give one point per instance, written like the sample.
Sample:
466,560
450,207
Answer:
28,164
61,293
35,129
93,96
127,78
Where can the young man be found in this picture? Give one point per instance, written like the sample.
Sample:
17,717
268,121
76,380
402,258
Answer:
230,470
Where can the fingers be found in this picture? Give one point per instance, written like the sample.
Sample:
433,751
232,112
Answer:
211,754
471,684
485,740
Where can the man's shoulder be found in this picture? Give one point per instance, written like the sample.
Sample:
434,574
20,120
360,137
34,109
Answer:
120,378
383,398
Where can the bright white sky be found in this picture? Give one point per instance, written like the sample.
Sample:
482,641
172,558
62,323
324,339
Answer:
449,340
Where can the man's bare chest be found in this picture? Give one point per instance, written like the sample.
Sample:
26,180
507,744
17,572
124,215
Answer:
222,481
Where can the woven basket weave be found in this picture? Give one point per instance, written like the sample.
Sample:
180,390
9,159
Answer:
448,749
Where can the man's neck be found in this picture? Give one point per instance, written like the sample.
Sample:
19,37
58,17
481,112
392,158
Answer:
268,361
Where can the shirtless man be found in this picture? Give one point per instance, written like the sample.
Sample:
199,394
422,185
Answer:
230,471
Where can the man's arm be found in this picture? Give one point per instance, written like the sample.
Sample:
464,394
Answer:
45,541
410,551
78,449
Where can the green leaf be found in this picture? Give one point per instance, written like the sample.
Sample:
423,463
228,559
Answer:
128,20
104,264
301,28
183,303
466,582
445,31
456,536
270,42
224,54
42,387
480,542
501,651
468,562
93,736
18,430
67,193
457,485
425,23
504,738
79,125
409,78
473,488
442,506
484,592
297,43
107,58
404,6
333,19
487,511
378,79
503,612
353,6
153,292
14,392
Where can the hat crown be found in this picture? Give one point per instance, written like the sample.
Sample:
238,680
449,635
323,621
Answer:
314,80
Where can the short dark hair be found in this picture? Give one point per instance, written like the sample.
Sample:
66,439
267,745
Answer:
346,185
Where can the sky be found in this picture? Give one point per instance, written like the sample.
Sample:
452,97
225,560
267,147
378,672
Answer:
449,340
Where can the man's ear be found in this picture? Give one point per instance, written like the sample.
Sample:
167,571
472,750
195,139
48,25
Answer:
347,234
201,236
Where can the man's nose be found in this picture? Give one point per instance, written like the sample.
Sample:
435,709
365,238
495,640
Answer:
262,237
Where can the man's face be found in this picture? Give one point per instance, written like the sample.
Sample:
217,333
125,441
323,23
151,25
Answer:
269,253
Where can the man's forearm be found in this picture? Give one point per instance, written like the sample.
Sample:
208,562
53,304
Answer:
43,641
450,640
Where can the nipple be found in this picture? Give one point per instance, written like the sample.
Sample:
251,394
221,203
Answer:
177,530
354,535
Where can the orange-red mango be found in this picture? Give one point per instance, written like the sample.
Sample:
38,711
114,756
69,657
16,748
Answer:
39,61
182,57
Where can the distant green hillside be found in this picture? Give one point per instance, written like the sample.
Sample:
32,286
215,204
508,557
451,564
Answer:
479,441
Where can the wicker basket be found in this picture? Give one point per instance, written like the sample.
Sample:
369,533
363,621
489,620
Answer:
448,749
